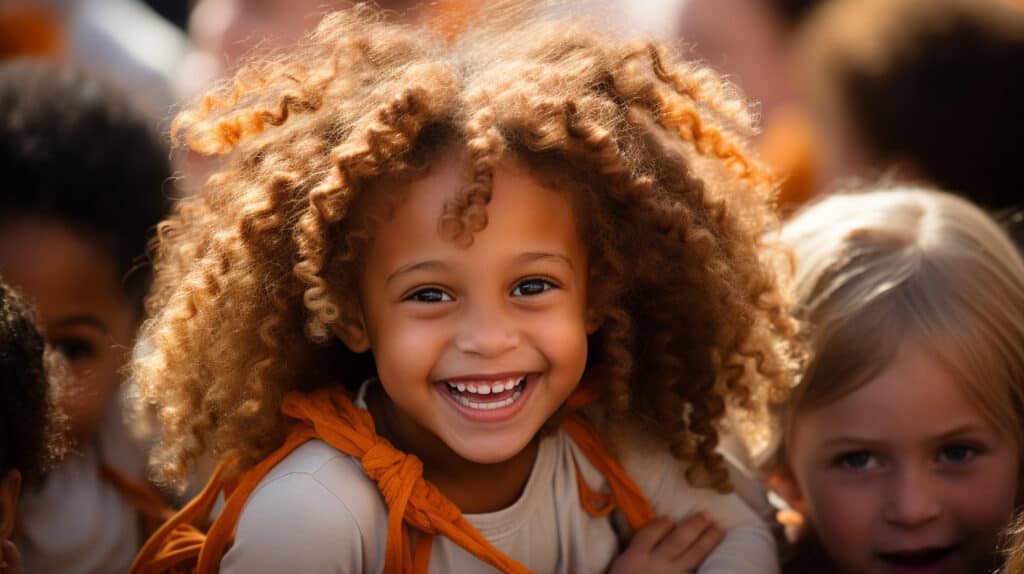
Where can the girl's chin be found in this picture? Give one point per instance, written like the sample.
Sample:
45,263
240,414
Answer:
490,450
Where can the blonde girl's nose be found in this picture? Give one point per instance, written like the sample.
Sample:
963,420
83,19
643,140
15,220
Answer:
912,499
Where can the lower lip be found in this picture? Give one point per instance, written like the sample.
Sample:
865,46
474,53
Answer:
489,415
934,567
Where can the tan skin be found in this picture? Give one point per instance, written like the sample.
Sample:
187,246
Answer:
510,306
81,310
474,488
10,487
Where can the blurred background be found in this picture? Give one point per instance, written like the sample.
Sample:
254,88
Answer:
846,89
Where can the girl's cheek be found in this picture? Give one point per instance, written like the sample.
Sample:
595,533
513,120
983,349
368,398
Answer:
987,498
844,519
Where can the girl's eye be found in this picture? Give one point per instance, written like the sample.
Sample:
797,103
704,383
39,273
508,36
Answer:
532,287
74,349
956,453
429,295
860,460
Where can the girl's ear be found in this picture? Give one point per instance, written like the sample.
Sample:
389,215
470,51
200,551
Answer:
794,518
352,332
783,483
10,487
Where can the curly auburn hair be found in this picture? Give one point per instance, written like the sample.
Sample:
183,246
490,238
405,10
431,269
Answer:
251,273
30,423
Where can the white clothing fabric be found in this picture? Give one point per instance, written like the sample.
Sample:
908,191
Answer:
134,47
317,511
77,522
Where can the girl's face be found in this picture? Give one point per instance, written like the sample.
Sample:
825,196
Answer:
477,346
904,474
81,310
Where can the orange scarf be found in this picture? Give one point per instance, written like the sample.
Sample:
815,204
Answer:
180,545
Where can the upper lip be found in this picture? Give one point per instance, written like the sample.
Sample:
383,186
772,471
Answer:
483,377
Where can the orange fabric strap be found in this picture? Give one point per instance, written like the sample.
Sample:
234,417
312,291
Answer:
414,504
183,544
152,507
411,500
175,546
625,496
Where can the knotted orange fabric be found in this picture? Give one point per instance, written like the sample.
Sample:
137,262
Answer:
414,504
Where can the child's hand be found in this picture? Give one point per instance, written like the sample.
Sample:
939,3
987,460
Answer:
663,546
10,558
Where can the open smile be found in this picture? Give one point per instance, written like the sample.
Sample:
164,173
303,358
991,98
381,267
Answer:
487,399
921,561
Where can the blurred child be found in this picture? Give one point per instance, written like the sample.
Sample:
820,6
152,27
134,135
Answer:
902,443
29,434
921,89
750,41
426,278
83,178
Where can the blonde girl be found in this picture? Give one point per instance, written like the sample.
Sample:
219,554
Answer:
428,275
902,442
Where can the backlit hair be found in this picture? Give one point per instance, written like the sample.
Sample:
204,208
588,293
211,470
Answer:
252,273
877,269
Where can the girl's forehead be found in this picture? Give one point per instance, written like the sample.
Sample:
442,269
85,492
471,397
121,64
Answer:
915,400
521,216
451,171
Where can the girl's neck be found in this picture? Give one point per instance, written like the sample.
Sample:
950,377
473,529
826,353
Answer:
474,487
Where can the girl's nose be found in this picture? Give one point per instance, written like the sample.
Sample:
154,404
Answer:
487,332
912,499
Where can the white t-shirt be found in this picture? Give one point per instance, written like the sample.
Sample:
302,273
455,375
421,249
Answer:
317,511
78,523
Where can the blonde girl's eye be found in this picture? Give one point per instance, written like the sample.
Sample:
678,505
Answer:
957,453
532,287
429,295
856,461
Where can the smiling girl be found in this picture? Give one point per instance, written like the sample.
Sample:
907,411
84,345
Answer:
903,441
426,278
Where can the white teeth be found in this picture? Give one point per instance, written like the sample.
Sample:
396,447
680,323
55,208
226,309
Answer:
489,406
485,388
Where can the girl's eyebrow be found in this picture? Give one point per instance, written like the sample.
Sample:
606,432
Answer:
80,319
435,264
531,256
428,265
964,429
852,441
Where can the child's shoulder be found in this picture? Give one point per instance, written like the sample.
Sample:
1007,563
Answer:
662,478
317,510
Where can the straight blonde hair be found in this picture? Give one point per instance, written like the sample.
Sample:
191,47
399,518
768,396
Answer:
876,269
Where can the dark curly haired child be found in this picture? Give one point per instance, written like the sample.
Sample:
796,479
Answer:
82,191
30,442
891,80
457,308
